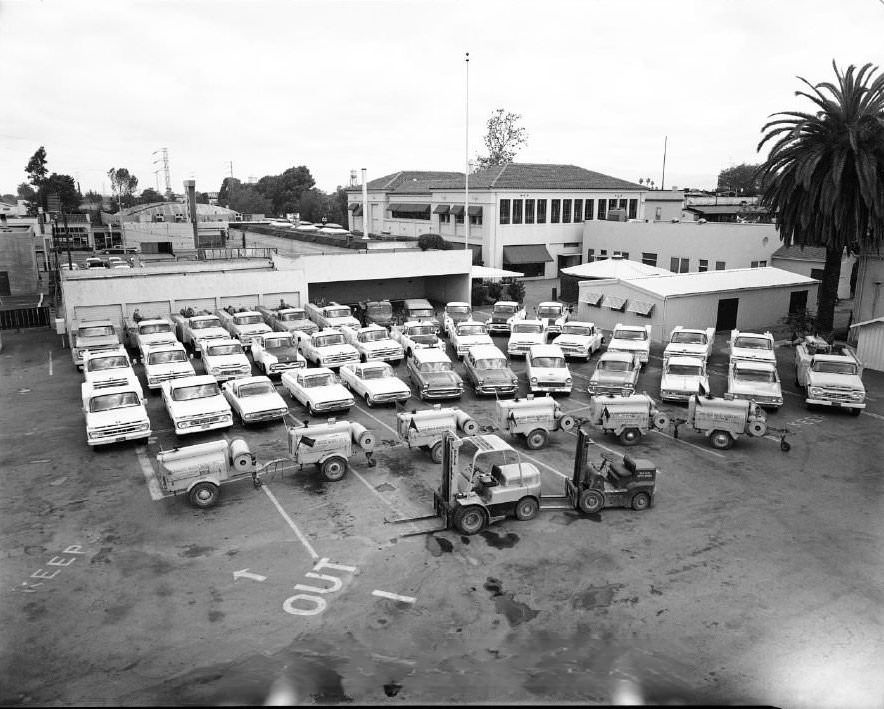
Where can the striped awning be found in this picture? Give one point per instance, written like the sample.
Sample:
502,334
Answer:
613,302
641,307
456,210
526,253
441,209
409,207
592,298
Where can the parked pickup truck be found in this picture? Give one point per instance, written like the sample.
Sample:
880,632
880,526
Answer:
455,312
276,352
331,315
693,342
146,332
615,373
632,339
225,359
682,377
92,335
831,375
109,368
318,389
326,348
758,346
376,312
416,335
196,404
165,362
524,335
554,314
467,334
503,314
196,329
114,414
374,344
285,319
579,339
420,309
243,324
754,381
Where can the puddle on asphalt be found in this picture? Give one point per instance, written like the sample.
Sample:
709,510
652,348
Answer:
438,545
514,611
308,481
595,596
500,541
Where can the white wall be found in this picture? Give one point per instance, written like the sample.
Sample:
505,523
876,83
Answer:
804,267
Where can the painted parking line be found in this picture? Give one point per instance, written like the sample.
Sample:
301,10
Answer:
150,477
874,416
393,596
310,550
371,416
688,443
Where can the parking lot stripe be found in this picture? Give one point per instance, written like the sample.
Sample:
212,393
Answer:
874,416
371,487
301,537
537,462
393,596
688,443
392,430
153,486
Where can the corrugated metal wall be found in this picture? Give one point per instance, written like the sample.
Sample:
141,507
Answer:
870,346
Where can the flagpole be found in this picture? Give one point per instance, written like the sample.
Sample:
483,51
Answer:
466,197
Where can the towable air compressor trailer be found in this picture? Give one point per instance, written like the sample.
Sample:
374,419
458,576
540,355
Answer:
627,417
424,429
722,421
533,419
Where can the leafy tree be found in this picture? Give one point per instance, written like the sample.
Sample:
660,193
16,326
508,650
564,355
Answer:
202,198
124,184
824,176
8,198
36,167
26,192
242,198
433,241
743,180
227,185
504,138
65,187
95,200
149,195
284,191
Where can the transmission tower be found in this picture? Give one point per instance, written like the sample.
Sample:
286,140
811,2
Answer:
164,167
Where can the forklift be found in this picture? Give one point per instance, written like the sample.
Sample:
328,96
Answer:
484,481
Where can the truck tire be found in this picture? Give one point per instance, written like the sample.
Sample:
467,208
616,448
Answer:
630,436
536,439
204,495
526,509
436,452
334,468
721,439
591,501
470,520
641,501
855,412
368,402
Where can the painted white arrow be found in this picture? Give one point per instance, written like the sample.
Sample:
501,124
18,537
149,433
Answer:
246,574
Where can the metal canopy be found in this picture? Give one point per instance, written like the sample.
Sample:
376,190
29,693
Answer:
527,253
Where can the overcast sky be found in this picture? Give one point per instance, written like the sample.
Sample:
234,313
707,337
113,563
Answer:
344,84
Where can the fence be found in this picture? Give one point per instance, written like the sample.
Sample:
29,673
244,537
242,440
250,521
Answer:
16,318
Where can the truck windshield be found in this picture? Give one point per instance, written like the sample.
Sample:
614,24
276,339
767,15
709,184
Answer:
197,391
549,311
231,349
103,363
380,309
577,330
377,373
292,316
372,335
247,319
167,357
327,340
204,323
458,310
106,402
95,331
471,330
753,343
275,343
256,389
491,363
754,375
155,328
685,370
436,367
419,313
502,309
613,365
422,330
527,327
338,313
318,380
630,335
689,338
833,367
548,362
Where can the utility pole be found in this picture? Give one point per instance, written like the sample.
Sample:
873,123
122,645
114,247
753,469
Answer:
364,207
663,178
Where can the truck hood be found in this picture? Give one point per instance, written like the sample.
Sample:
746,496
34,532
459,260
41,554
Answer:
754,354
261,402
233,360
682,382
332,392
282,354
826,379
117,417
495,376
561,320
425,340
387,385
101,378
302,325
550,374
573,340
475,340
156,370
629,345
157,338
210,333
337,350
252,329
684,348
200,407
84,343
755,388
349,320
612,377
441,379
377,345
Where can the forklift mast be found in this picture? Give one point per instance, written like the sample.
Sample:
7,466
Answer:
583,443
449,465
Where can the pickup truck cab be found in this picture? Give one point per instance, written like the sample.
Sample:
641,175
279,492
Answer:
547,370
196,404
831,375
682,377
416,335
554,314
332,315
166,362
693,342
276,352
195,330
225,359
243,325
109,368
92,335
114,414
758,346
632,339
254,399
147,332
287,319
615,373
503,314
467,334
375,382
754,381
487,371
420,309
524,335
374,344
377,312
433,375
318,390
327,348
580,339
455,312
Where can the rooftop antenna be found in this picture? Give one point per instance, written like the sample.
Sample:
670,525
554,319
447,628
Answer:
164,162
663,177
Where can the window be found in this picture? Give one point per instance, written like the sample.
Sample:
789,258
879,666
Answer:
589,210
719,265
649,259
703,265
603,253
504,211
476,219
578,210
679,265
529,211
633,209
570,244
622,254
566,211
541,211
517,211
590,255
612,204
555,211
758,264
425,215
658,214
533,270
603,209
797,302
445,219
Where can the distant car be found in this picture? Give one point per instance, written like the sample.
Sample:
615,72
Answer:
616,373
254,399
682,377
375,382
433,375
487,371
547,370
68,267
318,390
196,404
467,334
579,339
225,359
94,262
524,335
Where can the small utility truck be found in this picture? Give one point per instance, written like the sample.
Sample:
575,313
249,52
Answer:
532,419
423,429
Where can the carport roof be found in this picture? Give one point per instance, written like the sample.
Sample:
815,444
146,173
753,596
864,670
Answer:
731,279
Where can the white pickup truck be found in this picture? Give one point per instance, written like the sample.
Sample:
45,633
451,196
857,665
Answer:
690,341
682,377
196,404
503,314
417,335
318,389
757,346
634,339
331,315
831,375
276,352
374,344
147,332
109,368
195,330
243,324
165,362
326,348
114,414
92,335
554,314
225,359
580,339
286,319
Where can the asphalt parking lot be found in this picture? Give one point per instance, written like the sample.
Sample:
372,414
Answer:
756,578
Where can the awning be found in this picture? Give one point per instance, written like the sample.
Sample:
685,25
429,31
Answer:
475,211
441,209
457,210
613,302
592,298
642,307
488,273
358,211
527,253
352,206
409,207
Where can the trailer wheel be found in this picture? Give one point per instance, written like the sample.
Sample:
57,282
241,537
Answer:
641,501
785,446
436,452
591,501
204,495
757,428
536,439
526,509
470,520
721,440
630,436
334,468
567,422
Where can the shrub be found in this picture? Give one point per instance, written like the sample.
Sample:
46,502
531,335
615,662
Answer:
516,291
432,241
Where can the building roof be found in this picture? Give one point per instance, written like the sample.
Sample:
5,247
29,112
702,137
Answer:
867,322
614,268
726,209
801,253
176,207
665,196
676,284
410,180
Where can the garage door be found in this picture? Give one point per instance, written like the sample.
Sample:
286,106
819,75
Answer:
271,300
240,301
149,307
197,304
114,313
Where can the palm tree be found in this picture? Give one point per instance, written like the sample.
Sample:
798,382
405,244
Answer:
824,175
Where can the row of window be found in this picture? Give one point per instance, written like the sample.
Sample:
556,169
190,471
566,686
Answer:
677,264
562,211
474,219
